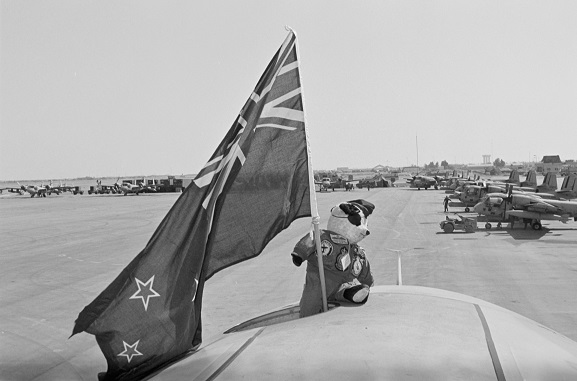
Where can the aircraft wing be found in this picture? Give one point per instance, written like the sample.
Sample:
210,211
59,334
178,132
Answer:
542,207
566,194
402,333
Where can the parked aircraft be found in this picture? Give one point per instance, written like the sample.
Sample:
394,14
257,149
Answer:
327,183
474,193
471,194
530,183
423,182
40,191
13,190
127,187
568,189
530,208
457,184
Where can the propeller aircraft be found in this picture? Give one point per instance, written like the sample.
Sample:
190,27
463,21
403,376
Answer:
423,182
40,191
13,190
327,183
127,187
530,208
472,194
568,189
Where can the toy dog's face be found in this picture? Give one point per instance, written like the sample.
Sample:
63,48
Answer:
349,219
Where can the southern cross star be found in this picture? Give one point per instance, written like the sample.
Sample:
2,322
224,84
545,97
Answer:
145,291
130,350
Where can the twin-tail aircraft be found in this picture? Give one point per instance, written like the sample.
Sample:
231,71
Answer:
529,184
529,208
425,182
456,184
472,194
568,190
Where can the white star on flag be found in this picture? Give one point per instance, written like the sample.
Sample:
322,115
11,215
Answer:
147,287
130,350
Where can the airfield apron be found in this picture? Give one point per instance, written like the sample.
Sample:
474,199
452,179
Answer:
343,264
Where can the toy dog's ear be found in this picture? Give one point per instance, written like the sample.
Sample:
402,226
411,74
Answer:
349,208
352,211
365,206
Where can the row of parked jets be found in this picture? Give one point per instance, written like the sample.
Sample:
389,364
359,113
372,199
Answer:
512,200
46,190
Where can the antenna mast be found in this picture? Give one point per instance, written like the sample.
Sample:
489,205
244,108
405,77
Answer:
417,144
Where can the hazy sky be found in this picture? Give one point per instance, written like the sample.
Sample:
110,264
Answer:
117,88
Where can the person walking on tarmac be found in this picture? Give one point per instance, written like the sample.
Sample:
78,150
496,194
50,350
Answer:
446,203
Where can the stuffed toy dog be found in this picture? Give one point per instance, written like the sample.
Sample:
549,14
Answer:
347,271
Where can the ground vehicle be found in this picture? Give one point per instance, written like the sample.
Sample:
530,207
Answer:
468,224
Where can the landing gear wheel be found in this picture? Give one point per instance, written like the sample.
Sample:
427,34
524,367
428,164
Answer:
536,225
499,225
488,226
467,210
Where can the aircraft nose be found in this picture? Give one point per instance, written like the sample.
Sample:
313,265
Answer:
479,208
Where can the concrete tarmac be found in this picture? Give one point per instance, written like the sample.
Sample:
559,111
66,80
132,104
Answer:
58,253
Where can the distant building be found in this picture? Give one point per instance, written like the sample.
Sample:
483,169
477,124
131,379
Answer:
551,163
570,167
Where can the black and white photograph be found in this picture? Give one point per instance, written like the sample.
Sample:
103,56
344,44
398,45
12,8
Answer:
303,190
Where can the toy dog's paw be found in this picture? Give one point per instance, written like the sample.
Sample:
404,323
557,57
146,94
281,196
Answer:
297,260
357,294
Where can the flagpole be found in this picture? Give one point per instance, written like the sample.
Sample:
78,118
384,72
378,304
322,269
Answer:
313,196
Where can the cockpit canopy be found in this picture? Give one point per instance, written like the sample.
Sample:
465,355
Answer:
495,201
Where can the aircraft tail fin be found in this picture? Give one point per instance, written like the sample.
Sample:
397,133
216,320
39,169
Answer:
550,180
531,180
569,183
514,176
